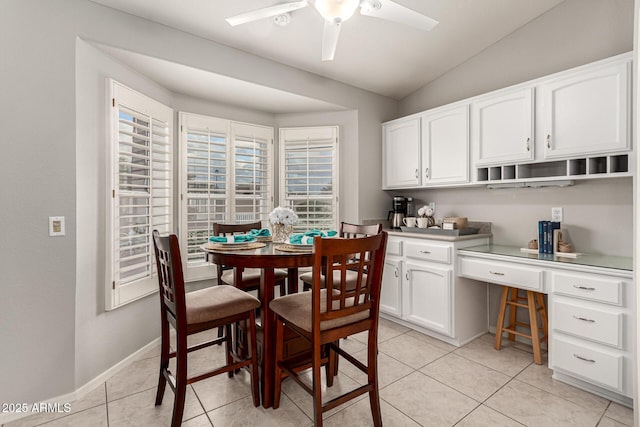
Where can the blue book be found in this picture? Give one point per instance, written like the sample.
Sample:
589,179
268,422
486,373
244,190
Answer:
545,232
541,237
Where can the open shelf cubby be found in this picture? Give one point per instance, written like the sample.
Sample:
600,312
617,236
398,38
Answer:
586,167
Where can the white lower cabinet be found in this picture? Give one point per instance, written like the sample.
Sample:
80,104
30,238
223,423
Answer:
421,289
591,324
391,292
427,300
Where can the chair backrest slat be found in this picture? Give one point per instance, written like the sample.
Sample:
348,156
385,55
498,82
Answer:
346,299
229,229
351,231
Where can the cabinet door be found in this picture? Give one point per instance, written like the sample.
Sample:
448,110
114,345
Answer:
391,292
587,113
503,128
427,297
445,147
401,154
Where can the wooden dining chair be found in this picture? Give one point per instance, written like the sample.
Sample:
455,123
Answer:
325,315
348,231
250,276
194,312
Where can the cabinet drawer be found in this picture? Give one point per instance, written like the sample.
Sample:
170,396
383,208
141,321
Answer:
394,246
590,363
503,273
591,287
429,252
597,325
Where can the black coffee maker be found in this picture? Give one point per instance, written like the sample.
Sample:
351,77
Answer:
398,213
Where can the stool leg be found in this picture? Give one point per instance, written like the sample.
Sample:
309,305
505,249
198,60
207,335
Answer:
503,306
543,318
513,313
535,332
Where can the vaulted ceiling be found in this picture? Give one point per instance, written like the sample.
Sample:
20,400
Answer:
373,54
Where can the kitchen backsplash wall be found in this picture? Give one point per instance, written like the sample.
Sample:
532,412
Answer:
598,214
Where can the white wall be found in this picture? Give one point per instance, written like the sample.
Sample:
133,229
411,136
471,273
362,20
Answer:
55,333
573,33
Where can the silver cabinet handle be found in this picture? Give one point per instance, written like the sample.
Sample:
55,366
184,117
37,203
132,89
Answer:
426,173
584,288
417,174
548,141
406,275
396,272
584,319
425,252
528,147
497,273
586,359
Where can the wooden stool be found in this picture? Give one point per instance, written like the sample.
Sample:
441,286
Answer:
534,303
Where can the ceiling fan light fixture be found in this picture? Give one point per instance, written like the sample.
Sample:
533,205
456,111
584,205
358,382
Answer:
336,10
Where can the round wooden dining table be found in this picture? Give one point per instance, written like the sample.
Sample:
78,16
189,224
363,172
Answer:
267,258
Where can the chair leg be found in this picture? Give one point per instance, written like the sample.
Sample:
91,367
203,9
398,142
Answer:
181,380
372,368
253,344
277,389
220,333
330,369
228,348
164,361
316,360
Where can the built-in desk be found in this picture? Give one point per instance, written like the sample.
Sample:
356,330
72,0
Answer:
590,306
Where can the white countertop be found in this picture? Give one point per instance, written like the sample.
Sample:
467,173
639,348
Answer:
394,232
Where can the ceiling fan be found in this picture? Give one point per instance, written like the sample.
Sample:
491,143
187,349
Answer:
335,12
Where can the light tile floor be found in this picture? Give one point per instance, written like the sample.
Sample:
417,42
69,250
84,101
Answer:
423,382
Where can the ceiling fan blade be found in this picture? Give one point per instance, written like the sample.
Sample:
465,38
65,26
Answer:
391,11
266,12
330,36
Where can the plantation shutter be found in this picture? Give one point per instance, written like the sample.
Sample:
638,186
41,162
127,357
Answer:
309,176
225,176
253,147
141,191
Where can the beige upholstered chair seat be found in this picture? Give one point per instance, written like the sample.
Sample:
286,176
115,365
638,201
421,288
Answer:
250,276
350,275
217,303
296,308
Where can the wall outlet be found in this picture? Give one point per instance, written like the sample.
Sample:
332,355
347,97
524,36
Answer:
556,214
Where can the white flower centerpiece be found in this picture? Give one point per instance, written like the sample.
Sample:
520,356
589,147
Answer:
282,221
425,217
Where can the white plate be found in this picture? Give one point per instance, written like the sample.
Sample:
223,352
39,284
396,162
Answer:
299,245
231,244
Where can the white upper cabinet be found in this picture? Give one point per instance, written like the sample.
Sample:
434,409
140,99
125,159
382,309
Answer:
401,153
445,146
503,127
587,112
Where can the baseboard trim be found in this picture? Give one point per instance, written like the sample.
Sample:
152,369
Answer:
83,390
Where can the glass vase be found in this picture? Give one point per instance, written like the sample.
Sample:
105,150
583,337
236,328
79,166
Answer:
281,232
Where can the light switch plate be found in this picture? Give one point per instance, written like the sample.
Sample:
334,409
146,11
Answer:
56,226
